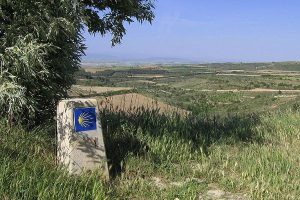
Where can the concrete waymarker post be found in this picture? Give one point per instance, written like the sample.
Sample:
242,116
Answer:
80,139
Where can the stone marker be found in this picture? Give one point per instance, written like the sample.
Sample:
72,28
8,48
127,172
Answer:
80,144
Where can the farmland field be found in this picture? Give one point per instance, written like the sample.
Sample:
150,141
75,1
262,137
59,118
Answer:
209,89
131,101
79,90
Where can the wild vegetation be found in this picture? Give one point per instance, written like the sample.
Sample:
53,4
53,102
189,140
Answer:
157,156
250,152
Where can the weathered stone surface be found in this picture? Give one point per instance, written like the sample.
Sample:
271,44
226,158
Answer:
80,150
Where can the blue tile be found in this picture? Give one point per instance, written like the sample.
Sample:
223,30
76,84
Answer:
85,119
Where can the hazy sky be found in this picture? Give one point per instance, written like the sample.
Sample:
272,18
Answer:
210,30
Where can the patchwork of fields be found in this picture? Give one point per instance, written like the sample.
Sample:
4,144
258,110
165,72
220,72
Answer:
207,89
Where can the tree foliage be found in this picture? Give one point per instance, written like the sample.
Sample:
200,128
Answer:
41,45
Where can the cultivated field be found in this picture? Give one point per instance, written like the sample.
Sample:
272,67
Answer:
131,101
79,90
208,89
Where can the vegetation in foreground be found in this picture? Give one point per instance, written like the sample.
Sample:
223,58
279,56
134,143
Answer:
153,156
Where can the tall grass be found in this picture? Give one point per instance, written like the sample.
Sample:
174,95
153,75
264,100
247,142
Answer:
254,155
28,169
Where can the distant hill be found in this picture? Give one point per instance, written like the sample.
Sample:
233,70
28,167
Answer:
107,60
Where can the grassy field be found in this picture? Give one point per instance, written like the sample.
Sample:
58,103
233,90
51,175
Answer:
239,136
156,156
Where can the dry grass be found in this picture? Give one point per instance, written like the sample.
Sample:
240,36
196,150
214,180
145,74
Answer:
147,76
95,69
242,75
271,90
278,72
124,102
257,73
252,90
145,81
128,103
98,89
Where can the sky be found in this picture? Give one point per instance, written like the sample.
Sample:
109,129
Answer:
209,31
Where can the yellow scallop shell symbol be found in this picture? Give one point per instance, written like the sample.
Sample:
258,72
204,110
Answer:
85,119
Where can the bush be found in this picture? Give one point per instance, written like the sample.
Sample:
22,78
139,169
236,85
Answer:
40,51
41,45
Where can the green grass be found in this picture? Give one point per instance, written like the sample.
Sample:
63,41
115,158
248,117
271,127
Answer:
257,155
28,169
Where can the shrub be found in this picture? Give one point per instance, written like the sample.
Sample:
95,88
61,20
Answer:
41,45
